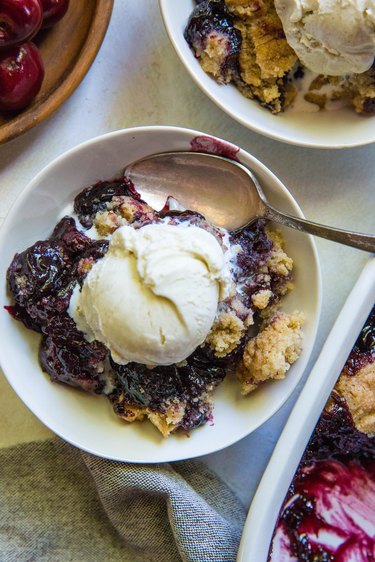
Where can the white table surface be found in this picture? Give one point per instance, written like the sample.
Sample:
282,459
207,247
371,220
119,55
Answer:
137,79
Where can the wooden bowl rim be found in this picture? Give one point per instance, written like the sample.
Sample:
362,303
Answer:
39,112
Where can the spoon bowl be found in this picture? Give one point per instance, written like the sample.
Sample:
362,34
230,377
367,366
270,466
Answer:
225,191
201,182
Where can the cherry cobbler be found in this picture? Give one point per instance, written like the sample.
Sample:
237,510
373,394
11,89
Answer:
250,338
243,42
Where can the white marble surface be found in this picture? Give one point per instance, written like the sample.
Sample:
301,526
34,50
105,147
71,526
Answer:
137,79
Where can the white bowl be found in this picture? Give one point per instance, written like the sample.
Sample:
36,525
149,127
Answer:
323,129
268,499
88,421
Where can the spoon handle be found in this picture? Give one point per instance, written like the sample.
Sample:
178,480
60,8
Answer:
355,239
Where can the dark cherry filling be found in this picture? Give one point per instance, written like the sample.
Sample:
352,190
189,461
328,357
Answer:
41,281
69,358
256,249
205,143
337,458
157,388
335,437
37,271
95,198
364,348
211,18
329,518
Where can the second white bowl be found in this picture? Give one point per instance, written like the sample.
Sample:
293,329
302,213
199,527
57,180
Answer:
323,129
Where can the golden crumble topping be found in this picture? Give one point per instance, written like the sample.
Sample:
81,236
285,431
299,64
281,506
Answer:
265,56
212,56
359,393
261,299
360,90
278,261
168,421
122,210
272,351
131,412
244,7
225,334
106,222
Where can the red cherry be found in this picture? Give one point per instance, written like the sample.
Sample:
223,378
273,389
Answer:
53,11
20,20
21,76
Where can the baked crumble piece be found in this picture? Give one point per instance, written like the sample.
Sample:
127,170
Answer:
265,58
356,384
360,89
122,210
272,351
359,394
226,334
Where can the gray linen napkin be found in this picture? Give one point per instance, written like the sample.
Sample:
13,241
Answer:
58,504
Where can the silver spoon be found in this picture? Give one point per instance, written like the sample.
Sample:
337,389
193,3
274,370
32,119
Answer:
226,192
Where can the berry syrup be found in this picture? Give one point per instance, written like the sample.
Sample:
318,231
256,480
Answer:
211,145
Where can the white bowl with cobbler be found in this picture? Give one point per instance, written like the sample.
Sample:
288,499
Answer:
87,297
237,53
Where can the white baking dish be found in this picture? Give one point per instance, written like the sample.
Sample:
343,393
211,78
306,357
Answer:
279,473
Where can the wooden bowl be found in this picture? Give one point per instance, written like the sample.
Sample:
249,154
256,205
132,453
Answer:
68,50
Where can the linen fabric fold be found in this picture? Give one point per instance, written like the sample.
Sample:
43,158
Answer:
60,504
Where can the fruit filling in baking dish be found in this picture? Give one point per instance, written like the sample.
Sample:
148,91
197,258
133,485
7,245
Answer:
328,514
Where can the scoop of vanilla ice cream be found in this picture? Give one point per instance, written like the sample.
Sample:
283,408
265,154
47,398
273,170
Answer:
332,37
153,297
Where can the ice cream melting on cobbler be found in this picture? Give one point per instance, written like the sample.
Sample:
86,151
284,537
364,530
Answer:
303,55
154,309
176,277
329,512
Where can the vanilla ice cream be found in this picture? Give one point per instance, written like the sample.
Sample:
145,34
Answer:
153,297
332,37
